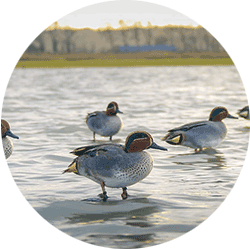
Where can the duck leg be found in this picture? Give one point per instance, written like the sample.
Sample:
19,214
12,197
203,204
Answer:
104,193
93,136
124,195
110,138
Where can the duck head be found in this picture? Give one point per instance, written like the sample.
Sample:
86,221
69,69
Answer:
5,129
220,113
113,109
140,140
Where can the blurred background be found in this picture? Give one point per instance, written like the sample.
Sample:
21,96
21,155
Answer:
93,37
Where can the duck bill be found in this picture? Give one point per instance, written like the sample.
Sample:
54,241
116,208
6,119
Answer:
10,134
155,146
232,117
118,111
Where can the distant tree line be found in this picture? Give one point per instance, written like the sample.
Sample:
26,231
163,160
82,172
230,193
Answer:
57,39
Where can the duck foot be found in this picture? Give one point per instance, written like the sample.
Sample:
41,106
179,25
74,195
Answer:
103,196
124,195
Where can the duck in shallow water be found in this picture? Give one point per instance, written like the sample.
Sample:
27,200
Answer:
105,123
7,143
116,166
244,112
202,134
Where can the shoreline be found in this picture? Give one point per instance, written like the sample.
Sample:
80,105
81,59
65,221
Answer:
139,59
124,63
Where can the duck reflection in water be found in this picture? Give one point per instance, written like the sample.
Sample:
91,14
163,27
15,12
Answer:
212,157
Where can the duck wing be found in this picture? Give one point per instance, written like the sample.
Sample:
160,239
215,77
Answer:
188,126
246,108
93,150
86,149
95,114
175,135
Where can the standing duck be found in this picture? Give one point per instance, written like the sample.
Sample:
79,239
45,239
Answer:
202,134
114,165
7,143
244,112
105,123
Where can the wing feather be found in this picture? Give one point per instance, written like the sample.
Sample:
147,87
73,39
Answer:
188,126
93,150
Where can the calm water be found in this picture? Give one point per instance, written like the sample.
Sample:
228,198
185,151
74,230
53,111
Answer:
47,108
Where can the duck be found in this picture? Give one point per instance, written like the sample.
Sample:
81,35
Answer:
114,165
244,112
105,123
7,143
202,134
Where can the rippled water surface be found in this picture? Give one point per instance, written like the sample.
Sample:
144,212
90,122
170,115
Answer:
46,109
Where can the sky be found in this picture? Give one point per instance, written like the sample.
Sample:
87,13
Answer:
109,13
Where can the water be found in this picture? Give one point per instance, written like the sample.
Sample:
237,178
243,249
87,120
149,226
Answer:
46,109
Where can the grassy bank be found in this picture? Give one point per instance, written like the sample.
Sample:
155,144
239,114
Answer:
123,63
122,60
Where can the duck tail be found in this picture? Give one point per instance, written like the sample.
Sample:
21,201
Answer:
72,167
243,113
174,139
86,118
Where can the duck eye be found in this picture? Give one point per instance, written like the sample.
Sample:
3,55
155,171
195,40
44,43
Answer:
111,105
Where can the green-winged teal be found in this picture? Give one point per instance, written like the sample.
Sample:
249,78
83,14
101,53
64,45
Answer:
203,134
7,143
114,165
105,123
244,112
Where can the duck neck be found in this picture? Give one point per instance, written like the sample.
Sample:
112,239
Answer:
110,112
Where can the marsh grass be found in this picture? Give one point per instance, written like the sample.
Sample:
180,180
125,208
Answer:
46,60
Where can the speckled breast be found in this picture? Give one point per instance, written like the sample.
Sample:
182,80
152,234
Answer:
7,147
136,167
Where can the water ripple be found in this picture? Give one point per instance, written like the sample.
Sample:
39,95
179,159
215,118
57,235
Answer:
47,109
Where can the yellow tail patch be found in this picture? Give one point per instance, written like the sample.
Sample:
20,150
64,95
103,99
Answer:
243,114
71,168
176,139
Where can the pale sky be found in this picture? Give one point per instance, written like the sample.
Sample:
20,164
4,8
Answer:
101,14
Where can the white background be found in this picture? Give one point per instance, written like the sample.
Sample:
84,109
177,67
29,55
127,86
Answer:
21,227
